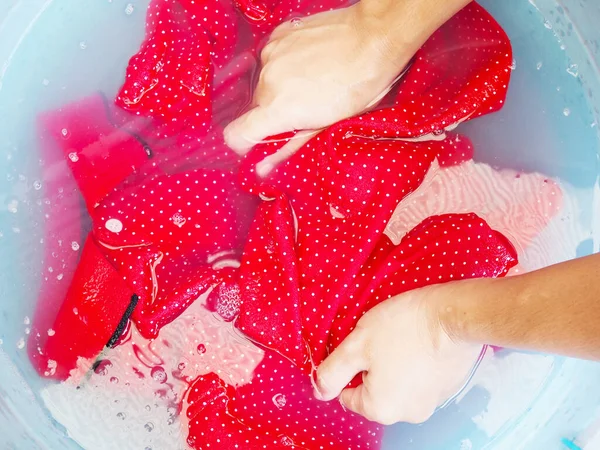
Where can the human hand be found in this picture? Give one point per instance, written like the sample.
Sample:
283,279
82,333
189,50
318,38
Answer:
316,71
410,364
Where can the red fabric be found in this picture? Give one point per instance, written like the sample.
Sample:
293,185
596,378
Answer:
90,314
172,211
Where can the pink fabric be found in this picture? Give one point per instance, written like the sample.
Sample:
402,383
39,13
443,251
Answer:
173,210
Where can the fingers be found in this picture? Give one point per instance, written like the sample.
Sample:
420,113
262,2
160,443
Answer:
267,51
264,167
348,360
253,127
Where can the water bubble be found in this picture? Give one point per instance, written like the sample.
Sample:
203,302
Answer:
59,276
37,185
21,344
121,416
178,220
567,112
82,45
73,157
51,332
102,366
52,365
149,427
466,444
27,330
129,9
1,342
513,65
279,400
26,320
287,441
114,380
201,349
45,82
296,22
148,408
539,65
13,206
159,374
548,24
75,311
74,246
573,70
594,124
65,133
181,366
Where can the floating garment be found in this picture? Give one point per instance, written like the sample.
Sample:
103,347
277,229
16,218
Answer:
294,259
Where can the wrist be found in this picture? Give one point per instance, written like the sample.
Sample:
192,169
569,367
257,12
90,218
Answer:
461,308
396,29
384,36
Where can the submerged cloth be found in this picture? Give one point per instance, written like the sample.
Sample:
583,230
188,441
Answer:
294,259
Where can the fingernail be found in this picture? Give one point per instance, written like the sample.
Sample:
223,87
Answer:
318,395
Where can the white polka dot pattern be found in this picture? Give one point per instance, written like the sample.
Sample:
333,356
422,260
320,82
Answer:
296,259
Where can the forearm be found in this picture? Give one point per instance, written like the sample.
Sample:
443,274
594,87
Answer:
398,25
554,310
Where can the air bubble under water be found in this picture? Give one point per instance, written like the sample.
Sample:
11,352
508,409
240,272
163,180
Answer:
279,400
573,70
13,206
158,374
178,219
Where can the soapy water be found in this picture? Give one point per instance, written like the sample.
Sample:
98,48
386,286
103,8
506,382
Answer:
137,399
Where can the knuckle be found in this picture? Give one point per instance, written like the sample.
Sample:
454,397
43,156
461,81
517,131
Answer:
267,51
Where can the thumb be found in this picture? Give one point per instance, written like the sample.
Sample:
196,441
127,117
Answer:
347,361
253,127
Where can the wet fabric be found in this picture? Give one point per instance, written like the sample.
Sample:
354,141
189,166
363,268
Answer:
294,259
